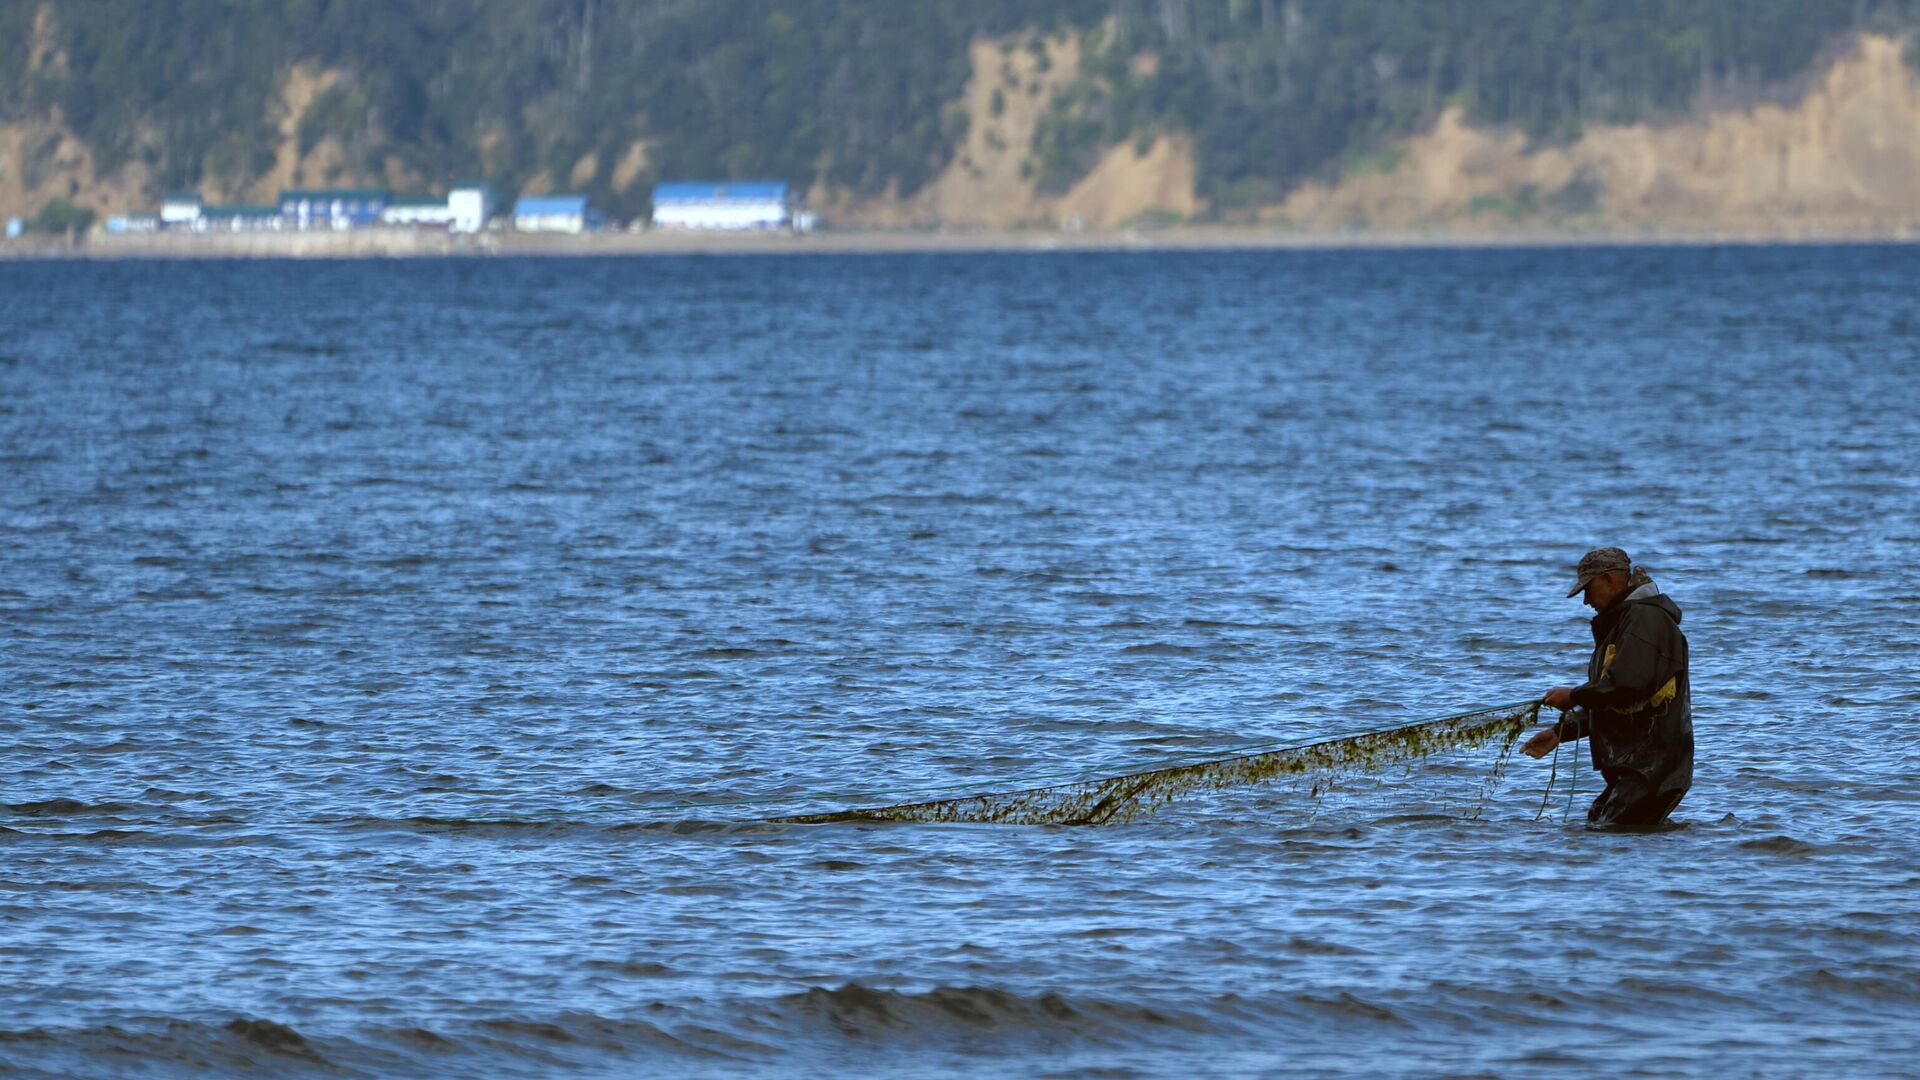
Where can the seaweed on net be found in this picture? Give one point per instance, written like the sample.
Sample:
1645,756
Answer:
1321,767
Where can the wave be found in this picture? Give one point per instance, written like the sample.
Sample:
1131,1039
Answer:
837,1030
684,1037
250,1046
863,1013
63,807
1879,982
242,1046
1779,845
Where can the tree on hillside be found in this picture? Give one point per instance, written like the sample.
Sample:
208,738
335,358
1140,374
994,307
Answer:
61,216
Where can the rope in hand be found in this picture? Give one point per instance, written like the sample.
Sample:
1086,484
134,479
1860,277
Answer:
1553,771
1573,785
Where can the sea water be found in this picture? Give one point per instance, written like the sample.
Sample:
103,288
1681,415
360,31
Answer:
398,660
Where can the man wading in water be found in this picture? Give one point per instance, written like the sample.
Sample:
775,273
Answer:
1634,709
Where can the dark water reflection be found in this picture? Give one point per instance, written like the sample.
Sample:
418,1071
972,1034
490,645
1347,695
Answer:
363,622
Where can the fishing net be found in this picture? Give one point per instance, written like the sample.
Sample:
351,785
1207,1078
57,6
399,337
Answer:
1464,755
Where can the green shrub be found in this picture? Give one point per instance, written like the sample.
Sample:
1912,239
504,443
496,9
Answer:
61,215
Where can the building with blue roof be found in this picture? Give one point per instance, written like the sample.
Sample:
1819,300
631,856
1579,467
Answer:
723,204
552,213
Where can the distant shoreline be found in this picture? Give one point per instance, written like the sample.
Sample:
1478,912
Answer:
398,243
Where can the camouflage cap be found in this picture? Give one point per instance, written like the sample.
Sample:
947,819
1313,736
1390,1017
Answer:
1597,562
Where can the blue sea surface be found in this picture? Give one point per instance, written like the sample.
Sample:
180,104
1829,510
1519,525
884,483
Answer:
399,661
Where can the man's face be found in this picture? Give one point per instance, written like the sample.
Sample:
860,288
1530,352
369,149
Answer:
1605,589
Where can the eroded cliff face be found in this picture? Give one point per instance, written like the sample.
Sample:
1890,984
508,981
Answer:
989,184
1844,159
40,159
43,159
319,165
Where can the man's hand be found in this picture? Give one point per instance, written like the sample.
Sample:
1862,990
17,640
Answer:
1542,743
1560,697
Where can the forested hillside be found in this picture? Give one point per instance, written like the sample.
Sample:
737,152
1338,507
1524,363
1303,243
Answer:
860,96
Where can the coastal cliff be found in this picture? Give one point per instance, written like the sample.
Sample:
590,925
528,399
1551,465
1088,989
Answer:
977,120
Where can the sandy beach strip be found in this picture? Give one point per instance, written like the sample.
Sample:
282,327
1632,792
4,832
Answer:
405,243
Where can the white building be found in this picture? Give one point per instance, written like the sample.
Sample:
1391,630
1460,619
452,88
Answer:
551,213
472,206
333,208
180,210
418,212
239,219
758,204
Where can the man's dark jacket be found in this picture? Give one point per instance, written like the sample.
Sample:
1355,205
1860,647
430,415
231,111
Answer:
1635,709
